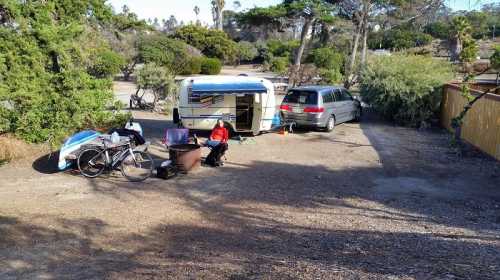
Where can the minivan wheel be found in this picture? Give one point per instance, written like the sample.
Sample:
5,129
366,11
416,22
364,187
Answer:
330,124
357,117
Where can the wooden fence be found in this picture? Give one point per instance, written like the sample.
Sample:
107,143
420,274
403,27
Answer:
481,126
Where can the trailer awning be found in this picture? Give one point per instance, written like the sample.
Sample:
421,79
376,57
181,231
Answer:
214,88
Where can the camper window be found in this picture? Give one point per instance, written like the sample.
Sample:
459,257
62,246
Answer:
205,99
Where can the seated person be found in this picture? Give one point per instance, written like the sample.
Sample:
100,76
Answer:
219,134
218,141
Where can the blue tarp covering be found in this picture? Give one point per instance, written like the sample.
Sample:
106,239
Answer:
205,87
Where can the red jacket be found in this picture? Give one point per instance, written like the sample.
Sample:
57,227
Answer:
219,134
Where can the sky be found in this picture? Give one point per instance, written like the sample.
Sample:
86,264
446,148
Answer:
183,9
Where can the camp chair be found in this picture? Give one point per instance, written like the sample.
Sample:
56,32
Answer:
176,136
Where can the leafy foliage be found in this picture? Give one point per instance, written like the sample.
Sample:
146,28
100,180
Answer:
247,51
212,43
210,66
398,39
157,79
166,52
327,58
330,64
46,91
279,64
193,66
107,64
405,89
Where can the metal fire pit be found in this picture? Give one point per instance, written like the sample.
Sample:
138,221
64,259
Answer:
186,157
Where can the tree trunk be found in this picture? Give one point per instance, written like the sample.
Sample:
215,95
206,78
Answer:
219,19
456,49
365,35
303,41
352,60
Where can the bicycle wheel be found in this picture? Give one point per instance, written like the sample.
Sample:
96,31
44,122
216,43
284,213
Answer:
138,167
91,162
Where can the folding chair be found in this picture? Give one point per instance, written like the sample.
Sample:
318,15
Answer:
176,136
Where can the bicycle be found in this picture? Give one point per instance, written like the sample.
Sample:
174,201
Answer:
135,165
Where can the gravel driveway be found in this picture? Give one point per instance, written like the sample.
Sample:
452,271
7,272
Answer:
369,201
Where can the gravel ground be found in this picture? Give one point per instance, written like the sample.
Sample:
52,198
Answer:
368,201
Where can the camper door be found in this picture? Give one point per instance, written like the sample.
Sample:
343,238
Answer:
257,114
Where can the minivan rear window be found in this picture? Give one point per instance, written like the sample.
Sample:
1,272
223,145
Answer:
301,97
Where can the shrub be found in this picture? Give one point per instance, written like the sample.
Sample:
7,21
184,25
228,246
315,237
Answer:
439,29
247,51
405,89
327,58
398,39
211,66
279,64
193,66
282,48
211,42
264,54
157,79
107,63
164,51
330,76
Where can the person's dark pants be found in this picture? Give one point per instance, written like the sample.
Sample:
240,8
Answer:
214,158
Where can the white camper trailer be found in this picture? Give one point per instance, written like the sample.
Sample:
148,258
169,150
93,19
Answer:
247,104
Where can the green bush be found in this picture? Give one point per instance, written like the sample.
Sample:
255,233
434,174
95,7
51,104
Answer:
106,64
279,64
157,79
267,50
212,43
282,48
193,66
47,91
327,58
330,76
398,39
211,66
439,29
405,89
247,51
164,51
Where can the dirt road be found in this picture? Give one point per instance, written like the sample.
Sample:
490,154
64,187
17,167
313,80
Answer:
369,201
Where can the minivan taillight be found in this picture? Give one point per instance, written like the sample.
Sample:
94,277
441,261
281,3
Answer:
285,108
314,110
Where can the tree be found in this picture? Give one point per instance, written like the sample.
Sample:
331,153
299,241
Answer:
309,11
461,32
217,8
170,25
46,54
361,12
211,42
158,80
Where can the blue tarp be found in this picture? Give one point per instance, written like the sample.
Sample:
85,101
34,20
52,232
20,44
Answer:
206,87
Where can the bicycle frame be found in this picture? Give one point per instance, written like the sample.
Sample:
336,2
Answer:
115,159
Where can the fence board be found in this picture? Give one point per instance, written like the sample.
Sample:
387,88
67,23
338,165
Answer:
481,126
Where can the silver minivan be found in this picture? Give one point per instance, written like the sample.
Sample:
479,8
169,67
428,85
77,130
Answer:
319,106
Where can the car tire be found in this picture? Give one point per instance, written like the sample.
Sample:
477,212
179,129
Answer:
330,124
357,116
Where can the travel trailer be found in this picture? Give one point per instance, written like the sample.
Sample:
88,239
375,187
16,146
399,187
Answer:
246,104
